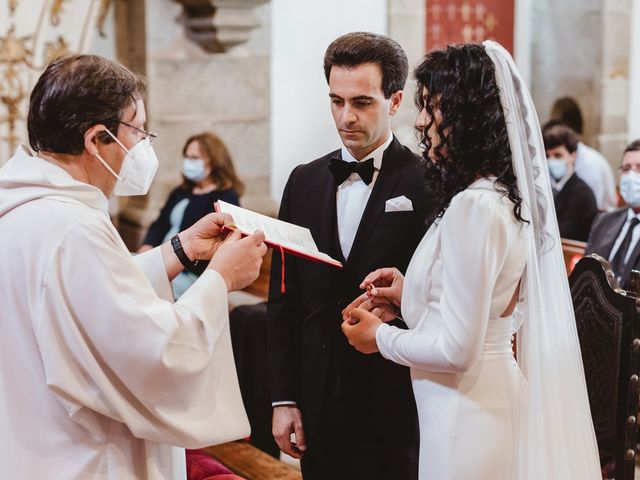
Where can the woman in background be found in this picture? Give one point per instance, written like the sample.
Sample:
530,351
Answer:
207,176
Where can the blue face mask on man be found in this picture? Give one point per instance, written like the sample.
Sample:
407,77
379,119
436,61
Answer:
630,188
558,168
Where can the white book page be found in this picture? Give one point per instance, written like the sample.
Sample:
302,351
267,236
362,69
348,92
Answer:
290,236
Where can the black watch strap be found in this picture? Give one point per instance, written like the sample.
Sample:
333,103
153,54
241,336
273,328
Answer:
179,251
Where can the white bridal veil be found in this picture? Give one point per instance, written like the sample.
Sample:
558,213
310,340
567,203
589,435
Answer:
557,440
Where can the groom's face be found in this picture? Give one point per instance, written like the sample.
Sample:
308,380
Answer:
361,112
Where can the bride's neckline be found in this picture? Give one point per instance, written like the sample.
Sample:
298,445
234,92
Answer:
484,180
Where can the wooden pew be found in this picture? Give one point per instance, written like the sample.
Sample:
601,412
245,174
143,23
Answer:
608,324
247,461
573,251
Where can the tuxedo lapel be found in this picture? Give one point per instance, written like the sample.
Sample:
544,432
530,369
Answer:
323,226
384,186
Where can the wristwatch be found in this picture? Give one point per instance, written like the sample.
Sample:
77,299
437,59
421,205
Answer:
179,251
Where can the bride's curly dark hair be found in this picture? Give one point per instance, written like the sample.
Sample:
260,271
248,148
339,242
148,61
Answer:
471,140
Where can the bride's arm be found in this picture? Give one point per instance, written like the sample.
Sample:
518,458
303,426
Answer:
474,240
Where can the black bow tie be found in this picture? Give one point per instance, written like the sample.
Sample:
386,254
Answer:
341,169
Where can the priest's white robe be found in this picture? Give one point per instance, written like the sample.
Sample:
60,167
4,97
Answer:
102,375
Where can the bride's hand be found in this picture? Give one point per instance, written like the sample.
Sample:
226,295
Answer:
379,307
384,286
362,333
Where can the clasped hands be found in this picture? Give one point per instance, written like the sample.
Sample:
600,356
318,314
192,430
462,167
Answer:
236,259
379,303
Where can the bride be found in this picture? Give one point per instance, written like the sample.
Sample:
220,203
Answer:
490,265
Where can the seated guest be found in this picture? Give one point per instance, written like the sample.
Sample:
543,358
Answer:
574,201
207,176
614,235
590,165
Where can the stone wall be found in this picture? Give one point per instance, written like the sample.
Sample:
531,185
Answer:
191,90
407,26
580,48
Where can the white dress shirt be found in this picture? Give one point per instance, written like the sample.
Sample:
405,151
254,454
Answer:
352,197
558,185
623,233
596,172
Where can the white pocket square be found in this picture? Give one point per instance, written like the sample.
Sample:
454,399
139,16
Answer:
398,204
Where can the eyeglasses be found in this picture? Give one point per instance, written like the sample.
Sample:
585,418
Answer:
147,135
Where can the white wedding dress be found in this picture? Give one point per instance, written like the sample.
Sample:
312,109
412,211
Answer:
466,382
482,415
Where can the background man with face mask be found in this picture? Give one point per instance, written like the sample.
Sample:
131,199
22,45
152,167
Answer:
100,372
615,235
574,201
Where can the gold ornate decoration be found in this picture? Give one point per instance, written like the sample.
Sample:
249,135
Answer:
55,49
14,51
102,16
56,10
17,61
12,106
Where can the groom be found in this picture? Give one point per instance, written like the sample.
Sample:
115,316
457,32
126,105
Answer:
352,415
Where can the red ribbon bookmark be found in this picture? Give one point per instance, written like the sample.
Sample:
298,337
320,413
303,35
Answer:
282,287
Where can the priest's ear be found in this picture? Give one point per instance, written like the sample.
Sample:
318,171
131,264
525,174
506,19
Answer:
394,101
94,137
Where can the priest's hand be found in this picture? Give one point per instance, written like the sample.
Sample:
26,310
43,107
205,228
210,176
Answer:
362,333
287,419
238,259
201,240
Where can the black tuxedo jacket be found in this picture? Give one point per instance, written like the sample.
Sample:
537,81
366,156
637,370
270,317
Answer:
605,231
309,357
576,208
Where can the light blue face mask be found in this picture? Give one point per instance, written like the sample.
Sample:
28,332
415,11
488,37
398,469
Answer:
558,168
630,188
193,169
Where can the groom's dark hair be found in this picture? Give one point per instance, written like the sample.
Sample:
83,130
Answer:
359,48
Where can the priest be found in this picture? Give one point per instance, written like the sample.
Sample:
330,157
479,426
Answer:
102,375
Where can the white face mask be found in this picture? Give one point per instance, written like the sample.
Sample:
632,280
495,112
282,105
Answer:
139,166
193,169
630,188
558,168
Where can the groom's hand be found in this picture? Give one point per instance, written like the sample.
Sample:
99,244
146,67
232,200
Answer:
287,419
379,307
361,331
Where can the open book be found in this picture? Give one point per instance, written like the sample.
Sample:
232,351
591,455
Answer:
291,238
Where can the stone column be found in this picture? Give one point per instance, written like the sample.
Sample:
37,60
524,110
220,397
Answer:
407,25
614,101
581,49
567,57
